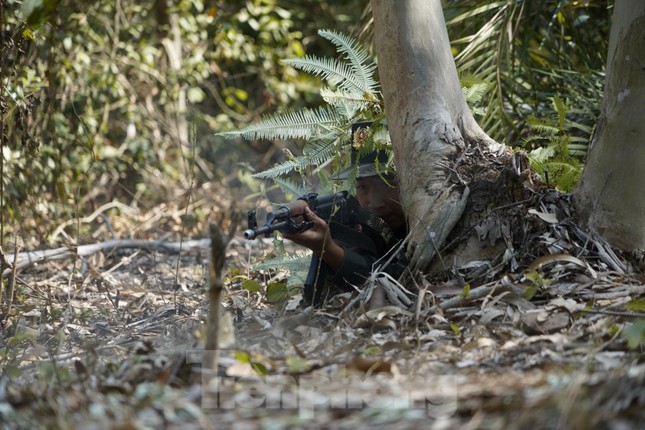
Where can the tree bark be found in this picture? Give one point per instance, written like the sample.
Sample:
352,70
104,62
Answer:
429,121
609,196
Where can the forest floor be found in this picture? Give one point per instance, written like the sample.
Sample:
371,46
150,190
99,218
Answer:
115,340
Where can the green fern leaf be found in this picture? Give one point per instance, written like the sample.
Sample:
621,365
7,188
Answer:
318,152
346,103
543,126
343,98
534,141
475,93
561,108
304,124
362,66
289,187
325,130
564,174
296,262
540,155
283,168
314,153
333,71
473,89
381,138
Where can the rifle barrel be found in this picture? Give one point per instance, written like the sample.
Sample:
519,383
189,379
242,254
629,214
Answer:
265,229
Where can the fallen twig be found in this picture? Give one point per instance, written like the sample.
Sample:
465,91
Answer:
116,204
477,293
611,313
24,259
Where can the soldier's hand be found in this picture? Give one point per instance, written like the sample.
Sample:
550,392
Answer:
316,236
319,240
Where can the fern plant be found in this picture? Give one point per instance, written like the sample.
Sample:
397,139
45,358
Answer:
351,94
557,157
297,264
474,89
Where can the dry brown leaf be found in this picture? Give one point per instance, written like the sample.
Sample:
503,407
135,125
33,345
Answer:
559,258
541,321
367,365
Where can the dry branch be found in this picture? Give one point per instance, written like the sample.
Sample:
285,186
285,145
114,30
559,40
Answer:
25,259
478,293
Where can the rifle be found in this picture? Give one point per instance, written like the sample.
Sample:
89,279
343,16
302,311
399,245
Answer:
283,220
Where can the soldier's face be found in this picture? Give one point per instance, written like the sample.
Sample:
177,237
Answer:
381,199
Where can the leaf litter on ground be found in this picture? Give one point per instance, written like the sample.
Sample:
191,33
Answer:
118,339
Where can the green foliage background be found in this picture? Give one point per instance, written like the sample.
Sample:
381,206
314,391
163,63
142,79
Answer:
92,95
529,51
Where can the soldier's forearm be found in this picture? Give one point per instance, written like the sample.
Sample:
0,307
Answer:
332,254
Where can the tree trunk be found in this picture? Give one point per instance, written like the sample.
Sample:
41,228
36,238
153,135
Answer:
609,196
430,124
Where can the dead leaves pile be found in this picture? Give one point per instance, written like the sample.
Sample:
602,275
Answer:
117,343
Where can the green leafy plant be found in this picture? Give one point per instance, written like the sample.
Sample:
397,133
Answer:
465,292
538,282
256,361
634,333
351,94
528,51
557,157
296,264
87,95
474,90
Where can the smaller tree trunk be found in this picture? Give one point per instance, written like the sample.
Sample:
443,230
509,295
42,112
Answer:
609,196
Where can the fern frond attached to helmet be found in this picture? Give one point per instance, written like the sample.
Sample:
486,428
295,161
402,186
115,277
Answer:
359,59
314,154
354,76
347,103
304,124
